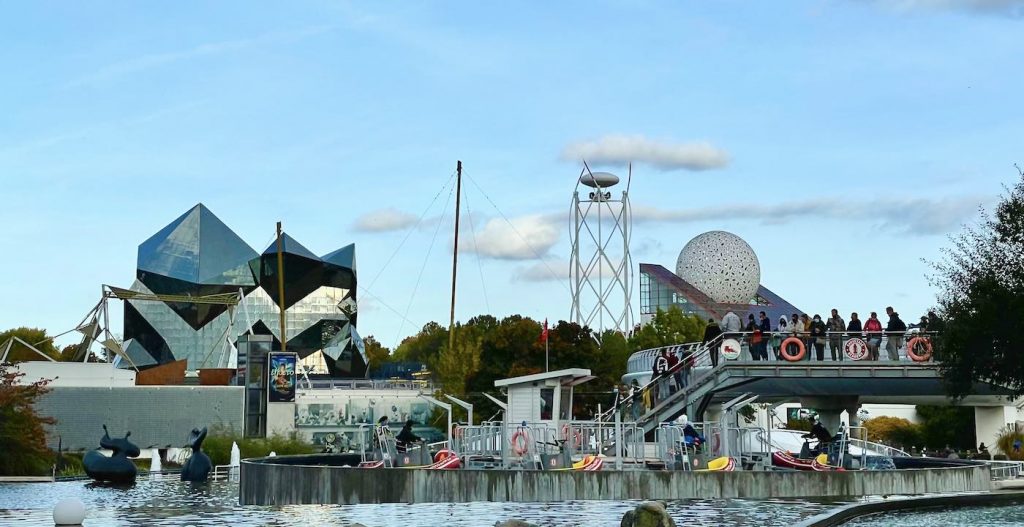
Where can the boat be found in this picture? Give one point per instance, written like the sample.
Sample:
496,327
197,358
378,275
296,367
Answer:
788,460
721,464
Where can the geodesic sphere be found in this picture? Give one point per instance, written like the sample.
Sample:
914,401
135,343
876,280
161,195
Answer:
722,266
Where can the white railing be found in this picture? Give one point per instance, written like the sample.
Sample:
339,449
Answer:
1001,470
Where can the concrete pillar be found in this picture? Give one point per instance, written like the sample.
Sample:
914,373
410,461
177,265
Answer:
989,420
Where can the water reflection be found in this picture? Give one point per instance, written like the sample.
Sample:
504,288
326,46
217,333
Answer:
165,501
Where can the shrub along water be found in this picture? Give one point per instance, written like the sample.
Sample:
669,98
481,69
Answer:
218,445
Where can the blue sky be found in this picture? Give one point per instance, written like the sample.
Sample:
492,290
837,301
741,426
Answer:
842,139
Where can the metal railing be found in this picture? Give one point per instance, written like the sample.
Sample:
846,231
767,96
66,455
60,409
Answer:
368,384
1001,470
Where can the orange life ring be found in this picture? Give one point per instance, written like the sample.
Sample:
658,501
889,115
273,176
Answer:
577,437
520,442
443,454
912,349
784,349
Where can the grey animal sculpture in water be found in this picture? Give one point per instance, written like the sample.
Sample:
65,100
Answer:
197,467
117,468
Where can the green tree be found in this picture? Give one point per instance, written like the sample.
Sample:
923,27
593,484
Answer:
21,428
34,336
981,299
943,426
668,328
376,353
424,346
456,365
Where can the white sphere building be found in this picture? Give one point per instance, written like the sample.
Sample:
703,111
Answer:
722,266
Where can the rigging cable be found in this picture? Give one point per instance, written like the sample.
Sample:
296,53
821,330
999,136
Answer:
423,267
479,264
411,229
521,237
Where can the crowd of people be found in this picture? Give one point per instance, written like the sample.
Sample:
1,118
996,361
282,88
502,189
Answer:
760,340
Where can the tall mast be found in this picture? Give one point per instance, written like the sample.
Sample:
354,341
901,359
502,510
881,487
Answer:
280,283
455,253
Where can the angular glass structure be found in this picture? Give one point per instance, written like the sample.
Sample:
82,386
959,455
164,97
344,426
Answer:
197,255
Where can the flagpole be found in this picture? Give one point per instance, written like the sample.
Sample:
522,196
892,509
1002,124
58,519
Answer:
546,367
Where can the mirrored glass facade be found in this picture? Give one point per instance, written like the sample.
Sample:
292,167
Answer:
197,254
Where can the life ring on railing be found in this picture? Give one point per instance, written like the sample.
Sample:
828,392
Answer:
784,349
925,343
458,432
520,442
577,436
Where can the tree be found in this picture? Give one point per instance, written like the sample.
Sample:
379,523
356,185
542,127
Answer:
893,431
668,328
981,299
454,366
424,346
33,336
376,353
943,426
21,428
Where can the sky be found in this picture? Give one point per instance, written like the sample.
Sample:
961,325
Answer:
844,140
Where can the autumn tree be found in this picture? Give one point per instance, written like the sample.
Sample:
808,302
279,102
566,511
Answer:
21,428
981,299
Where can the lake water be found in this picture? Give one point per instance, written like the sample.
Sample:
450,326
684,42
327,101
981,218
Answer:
165,501
966,517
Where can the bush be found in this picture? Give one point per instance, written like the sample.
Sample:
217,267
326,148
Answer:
219,439
1004,442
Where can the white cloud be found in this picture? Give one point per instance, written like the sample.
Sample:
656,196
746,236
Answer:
384,220
920,216
525,238
1012,8
623,149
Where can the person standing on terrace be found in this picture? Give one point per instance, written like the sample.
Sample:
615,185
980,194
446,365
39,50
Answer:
711,332
895,330
766,329
836,326
818,331
873,329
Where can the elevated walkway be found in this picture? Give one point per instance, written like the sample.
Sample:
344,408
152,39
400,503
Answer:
842,384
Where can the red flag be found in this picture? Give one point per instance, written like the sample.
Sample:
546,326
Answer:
544,334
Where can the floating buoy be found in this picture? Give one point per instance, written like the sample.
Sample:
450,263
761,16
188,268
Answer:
69,511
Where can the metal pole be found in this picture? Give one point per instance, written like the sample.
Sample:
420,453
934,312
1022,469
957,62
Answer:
280,284
455,253
546,339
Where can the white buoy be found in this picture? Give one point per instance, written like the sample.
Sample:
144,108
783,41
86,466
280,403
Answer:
236,455
69,511
154,461
272,454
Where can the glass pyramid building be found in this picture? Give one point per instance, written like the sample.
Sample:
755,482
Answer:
196,255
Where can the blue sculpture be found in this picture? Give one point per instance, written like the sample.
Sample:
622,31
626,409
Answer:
117,468
197,467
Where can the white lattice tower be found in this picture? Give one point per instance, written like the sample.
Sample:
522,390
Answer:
600,268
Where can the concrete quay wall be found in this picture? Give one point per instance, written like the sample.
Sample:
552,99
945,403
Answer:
265,483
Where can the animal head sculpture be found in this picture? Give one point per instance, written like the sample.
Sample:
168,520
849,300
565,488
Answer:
120,447
195,439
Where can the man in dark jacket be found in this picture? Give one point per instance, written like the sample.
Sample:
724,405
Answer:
894,330
818,432
818,331
711,332
765,325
